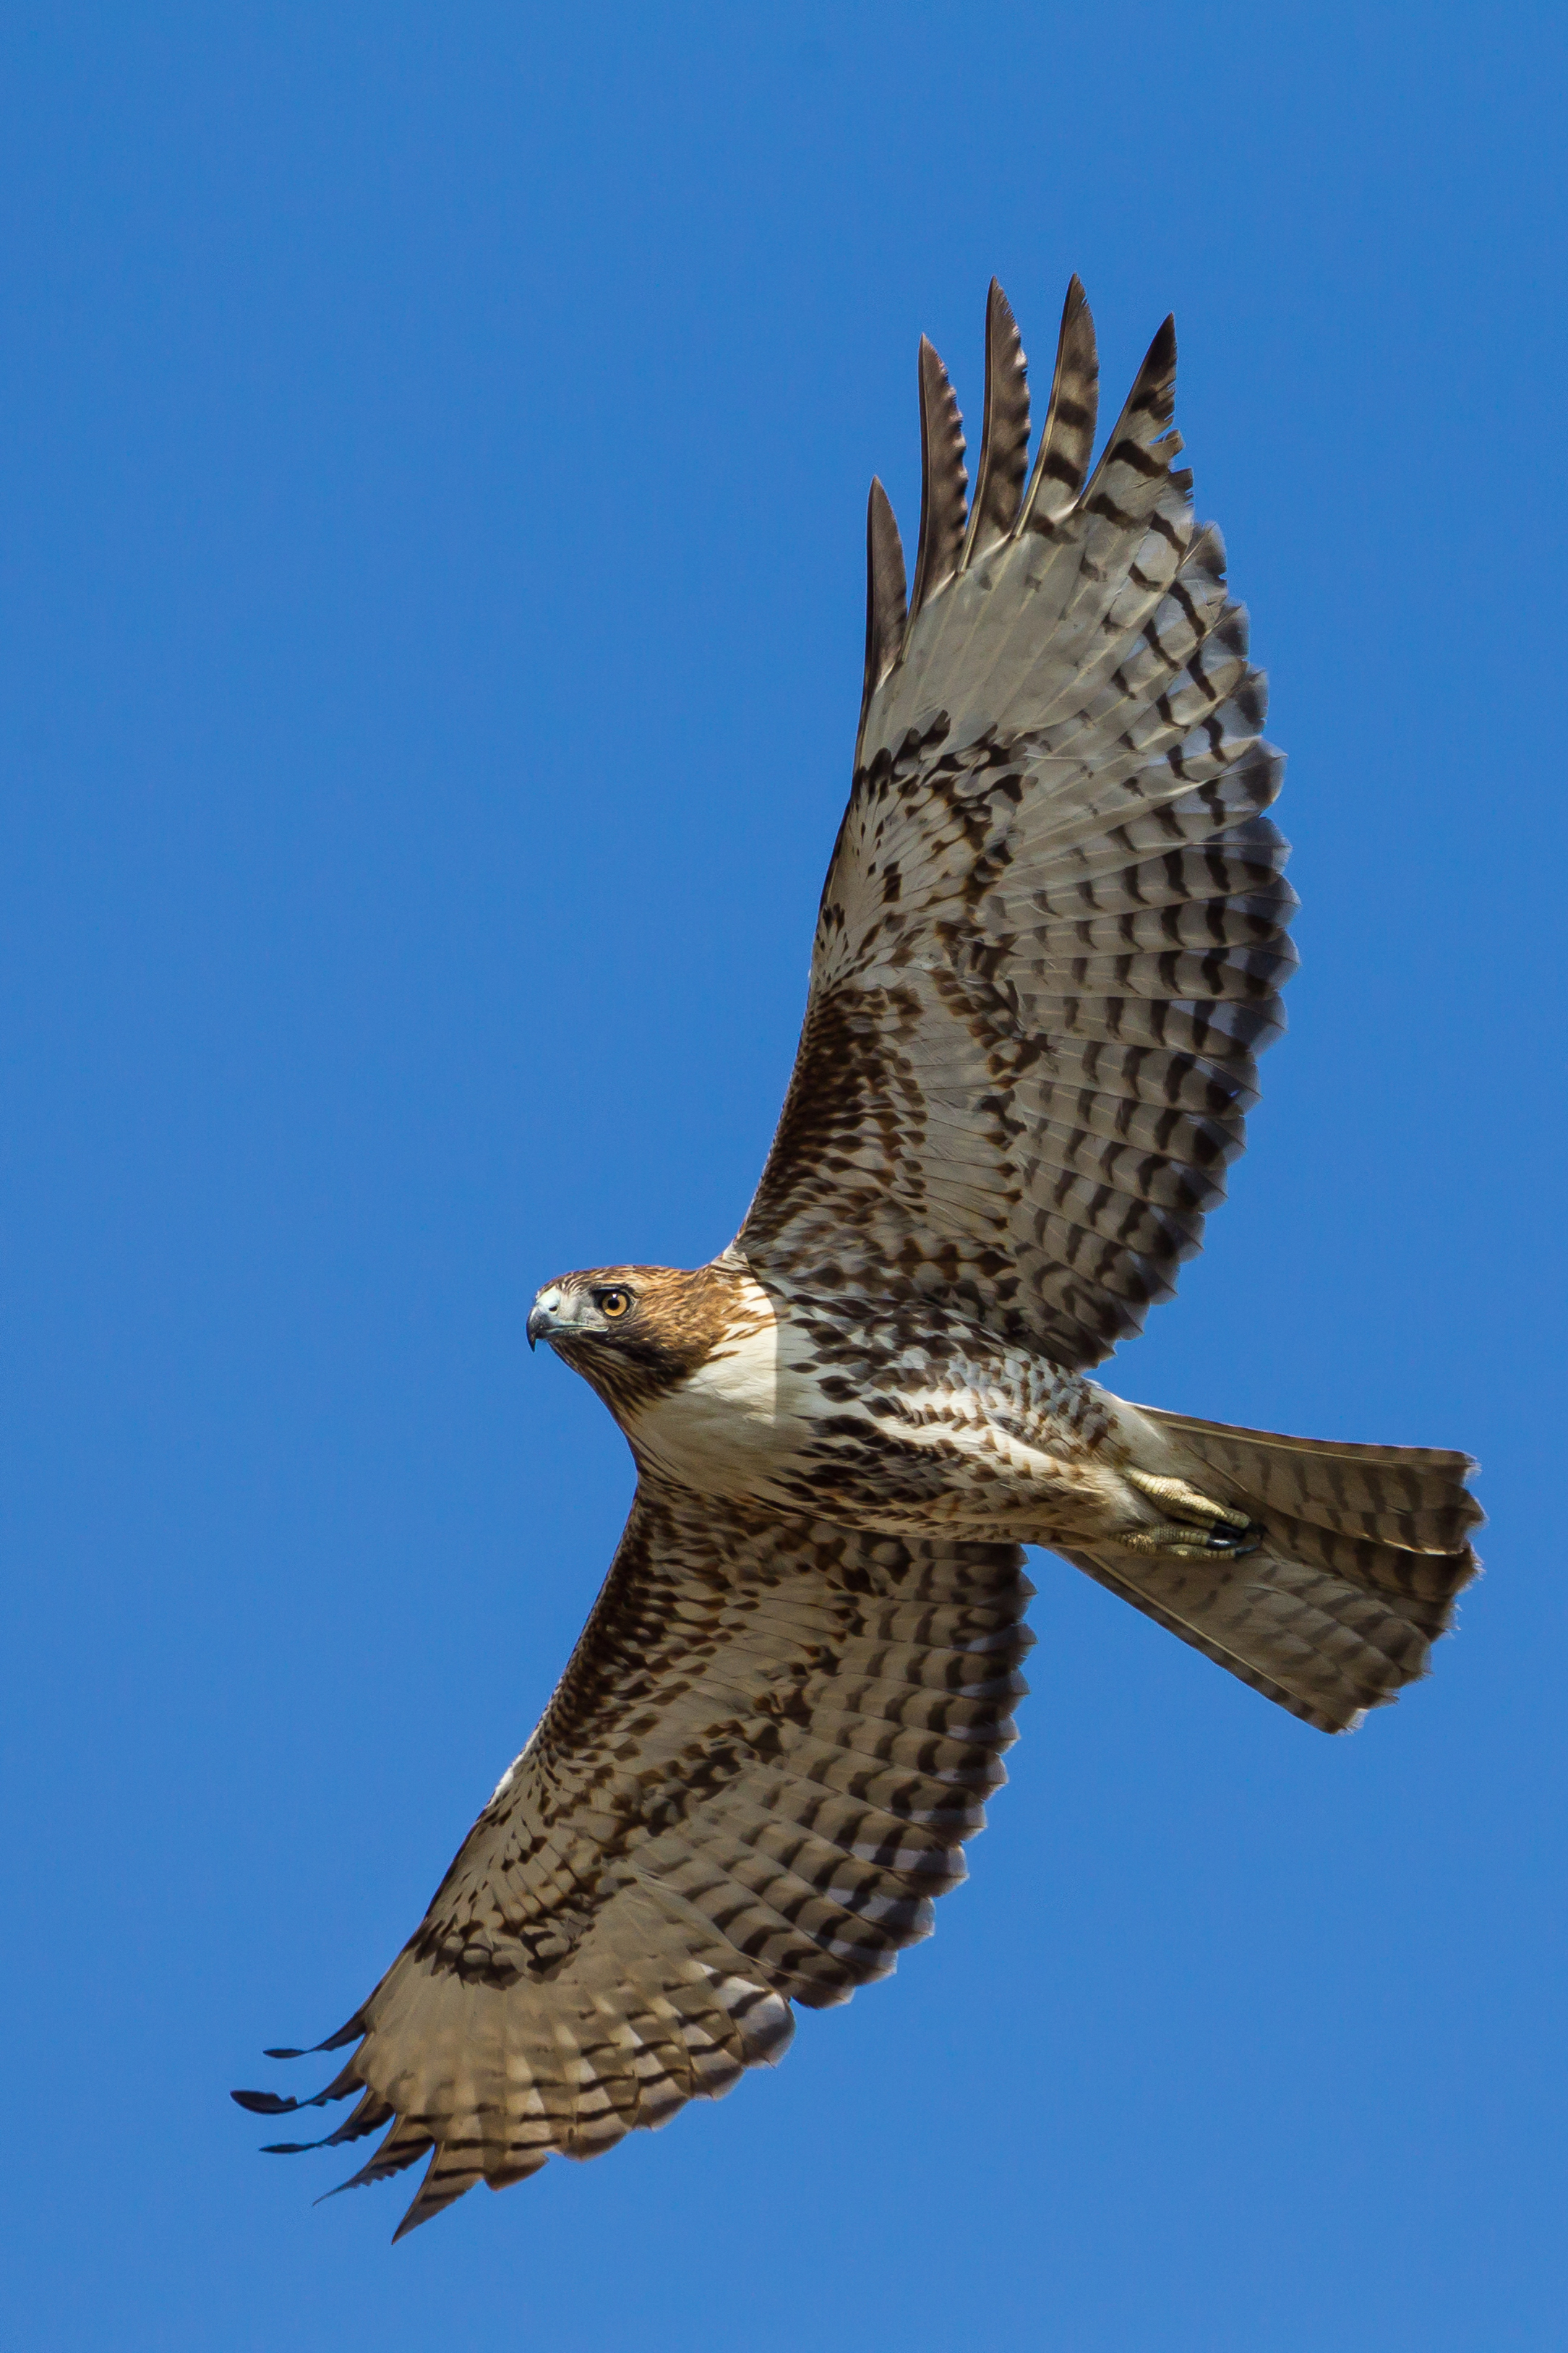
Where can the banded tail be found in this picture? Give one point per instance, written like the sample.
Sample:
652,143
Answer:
1364,1551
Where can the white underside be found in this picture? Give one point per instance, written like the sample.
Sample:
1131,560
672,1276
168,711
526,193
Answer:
740,1416
752,1412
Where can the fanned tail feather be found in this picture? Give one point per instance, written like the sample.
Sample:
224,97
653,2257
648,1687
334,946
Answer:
1362,1552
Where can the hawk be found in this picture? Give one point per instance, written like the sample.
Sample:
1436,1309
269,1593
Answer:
1050,950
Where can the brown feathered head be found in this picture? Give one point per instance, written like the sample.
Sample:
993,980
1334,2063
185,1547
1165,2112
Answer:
634,1331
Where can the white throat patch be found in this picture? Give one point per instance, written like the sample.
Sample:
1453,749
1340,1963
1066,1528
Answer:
747,1408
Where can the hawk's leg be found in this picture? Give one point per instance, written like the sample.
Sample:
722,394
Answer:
1198,1527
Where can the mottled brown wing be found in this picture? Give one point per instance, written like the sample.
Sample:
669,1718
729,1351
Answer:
1053,934
754,1775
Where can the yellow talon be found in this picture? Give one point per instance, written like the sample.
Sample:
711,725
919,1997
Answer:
1222,1529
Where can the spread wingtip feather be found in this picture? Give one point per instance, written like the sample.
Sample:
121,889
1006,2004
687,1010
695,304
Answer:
944,483
1004,437
885,592
1067,441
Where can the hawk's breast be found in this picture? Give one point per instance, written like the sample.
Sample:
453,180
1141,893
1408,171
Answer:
746,1414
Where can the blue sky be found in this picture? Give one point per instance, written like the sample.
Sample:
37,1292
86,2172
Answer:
431,507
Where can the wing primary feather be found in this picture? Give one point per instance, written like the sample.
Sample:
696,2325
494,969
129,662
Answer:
1067,441
885,592
338,2041
276,2104
1051,940
1004,437
405,2145
943,482
1151,405
569,1986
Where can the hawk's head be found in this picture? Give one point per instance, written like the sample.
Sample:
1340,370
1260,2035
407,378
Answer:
634,1331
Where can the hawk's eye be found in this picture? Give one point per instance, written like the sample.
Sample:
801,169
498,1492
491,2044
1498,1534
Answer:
612,1304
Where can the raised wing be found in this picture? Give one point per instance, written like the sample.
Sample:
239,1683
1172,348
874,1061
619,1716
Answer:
1053,929
752,1779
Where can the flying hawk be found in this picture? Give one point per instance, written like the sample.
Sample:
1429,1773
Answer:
1049,949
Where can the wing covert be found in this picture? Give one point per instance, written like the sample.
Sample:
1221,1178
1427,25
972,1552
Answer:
1054,930
752,1779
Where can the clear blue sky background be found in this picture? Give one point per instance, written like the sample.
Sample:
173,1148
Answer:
431,505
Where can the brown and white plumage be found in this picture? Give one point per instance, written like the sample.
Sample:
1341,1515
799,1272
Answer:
752,1779
1053,934
1049,949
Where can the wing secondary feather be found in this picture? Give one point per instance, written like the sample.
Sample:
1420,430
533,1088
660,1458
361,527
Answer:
1054,933
755,1774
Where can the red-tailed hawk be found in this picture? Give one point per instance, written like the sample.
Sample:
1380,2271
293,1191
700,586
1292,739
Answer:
1049,948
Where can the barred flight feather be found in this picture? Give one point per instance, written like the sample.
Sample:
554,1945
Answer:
753,1847
1049,949
1066,442
943,484
1004,440
885,592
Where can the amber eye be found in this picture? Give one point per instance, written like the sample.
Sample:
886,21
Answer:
612,1304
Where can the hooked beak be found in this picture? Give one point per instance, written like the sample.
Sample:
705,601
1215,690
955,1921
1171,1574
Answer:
546,1319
